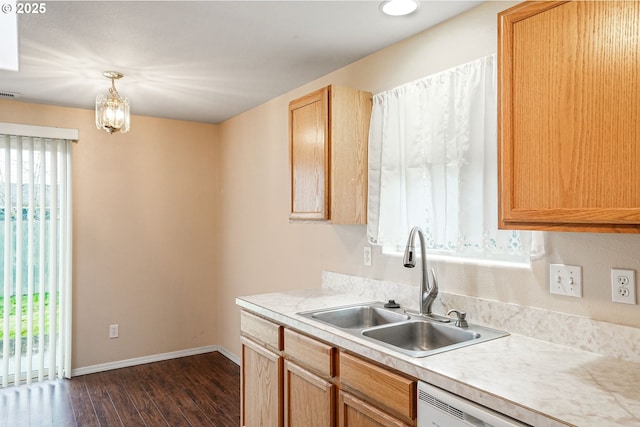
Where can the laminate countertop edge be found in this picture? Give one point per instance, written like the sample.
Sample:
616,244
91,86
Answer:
534,381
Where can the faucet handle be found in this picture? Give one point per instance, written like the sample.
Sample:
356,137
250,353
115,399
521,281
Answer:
461,322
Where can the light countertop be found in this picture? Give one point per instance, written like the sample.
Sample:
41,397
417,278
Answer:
534,381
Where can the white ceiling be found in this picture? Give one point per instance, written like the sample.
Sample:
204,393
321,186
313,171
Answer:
204,61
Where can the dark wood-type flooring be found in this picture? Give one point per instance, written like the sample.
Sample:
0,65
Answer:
197,391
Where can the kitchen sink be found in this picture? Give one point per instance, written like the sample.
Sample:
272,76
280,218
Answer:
418,336
359,317
409,334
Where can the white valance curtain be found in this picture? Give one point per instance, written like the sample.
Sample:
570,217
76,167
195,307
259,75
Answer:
433,163
35,225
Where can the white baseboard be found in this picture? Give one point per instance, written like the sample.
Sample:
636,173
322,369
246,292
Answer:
153,358
226,353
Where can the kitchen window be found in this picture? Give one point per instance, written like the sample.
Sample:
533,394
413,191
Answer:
433,163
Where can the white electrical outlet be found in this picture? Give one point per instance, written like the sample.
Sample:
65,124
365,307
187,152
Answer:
623,286
113,331
565,280
367,256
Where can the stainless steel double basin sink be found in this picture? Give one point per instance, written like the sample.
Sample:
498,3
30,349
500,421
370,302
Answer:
409,334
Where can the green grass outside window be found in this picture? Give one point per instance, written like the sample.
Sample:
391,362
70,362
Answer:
24,310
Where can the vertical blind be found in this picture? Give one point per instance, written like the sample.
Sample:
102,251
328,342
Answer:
35,248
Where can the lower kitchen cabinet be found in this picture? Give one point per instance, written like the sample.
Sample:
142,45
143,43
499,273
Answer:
261,386
261,371
393,394
310,353
310,391
291,379
354,412
309,400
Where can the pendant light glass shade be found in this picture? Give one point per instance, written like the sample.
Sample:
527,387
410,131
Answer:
112,111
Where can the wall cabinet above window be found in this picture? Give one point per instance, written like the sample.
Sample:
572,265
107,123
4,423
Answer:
569,116
328,133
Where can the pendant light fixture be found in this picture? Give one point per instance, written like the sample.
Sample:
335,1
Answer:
112,111
399,7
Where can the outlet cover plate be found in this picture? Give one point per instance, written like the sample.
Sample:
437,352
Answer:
366,260
565,280
623,286
113,331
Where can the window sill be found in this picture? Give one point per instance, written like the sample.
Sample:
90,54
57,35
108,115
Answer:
467,260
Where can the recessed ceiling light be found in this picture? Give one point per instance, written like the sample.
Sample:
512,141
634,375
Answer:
399,7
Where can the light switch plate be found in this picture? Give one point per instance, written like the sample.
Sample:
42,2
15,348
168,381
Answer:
565,280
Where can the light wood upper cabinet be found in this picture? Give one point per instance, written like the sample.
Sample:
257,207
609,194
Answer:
328,134
569,116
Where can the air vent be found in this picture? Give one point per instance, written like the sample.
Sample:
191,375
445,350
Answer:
437,403
7,94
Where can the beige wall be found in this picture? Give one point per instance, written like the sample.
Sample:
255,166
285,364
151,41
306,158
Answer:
145,230
264,253
174,220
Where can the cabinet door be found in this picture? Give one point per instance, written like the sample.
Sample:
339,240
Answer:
349,122
569,91
354,412
309,152
309,399
261,386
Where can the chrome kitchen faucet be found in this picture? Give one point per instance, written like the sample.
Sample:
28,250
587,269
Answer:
428,292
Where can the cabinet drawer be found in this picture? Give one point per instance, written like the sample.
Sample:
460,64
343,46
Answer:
261,330
391,391
354,412
310,353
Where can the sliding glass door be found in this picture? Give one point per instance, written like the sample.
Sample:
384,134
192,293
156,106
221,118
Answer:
35,258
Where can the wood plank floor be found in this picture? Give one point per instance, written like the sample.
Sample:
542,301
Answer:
194,391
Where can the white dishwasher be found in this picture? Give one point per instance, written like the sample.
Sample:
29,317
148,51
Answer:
438,408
